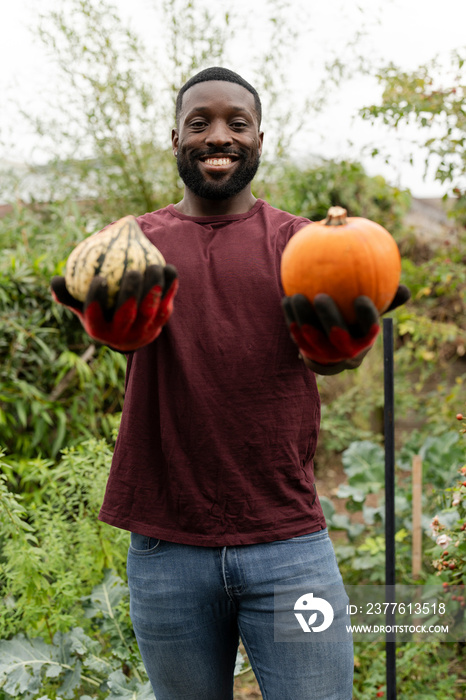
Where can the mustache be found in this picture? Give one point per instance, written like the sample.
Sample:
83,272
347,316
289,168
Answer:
206,153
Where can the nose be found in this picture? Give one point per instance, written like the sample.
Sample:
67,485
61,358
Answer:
218,134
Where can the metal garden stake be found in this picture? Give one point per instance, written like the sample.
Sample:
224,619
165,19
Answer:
390,638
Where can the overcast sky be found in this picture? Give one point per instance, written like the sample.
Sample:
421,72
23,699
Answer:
407,32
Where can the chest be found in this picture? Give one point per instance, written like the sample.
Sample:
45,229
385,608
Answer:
224,266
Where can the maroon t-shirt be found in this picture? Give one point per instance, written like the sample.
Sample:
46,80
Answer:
221,417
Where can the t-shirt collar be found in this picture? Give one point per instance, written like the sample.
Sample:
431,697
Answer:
217,218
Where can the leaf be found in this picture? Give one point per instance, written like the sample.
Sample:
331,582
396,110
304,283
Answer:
345,551
21,662
372,514
21,411
71,681
53,671
240,663
122,687
106,596
347,491
61,643
327,507
364,464
80,643
61,432
342,522
442,456
362,563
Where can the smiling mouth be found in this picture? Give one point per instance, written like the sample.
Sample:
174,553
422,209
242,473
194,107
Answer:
218,161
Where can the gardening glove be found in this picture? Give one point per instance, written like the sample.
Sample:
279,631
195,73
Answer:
142,307
321,333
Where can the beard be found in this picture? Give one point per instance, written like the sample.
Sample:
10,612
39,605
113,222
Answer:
225,186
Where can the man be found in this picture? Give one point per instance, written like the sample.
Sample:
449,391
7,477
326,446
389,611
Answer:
212,471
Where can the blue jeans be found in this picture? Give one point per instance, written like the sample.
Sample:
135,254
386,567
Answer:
190,604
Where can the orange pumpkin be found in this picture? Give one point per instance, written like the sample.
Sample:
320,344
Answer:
345,258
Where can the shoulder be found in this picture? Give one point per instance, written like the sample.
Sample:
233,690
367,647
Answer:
158,222
155,217
284,217
282,220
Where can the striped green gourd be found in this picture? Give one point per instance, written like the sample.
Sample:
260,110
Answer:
119,248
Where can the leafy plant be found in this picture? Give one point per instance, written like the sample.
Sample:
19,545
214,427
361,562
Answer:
310,190
432,98
107,663
51,374
364,465
424,672
449,529
52,547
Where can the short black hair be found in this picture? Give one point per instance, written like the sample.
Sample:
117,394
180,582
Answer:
218,73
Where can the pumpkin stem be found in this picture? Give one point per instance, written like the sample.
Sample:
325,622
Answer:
336,216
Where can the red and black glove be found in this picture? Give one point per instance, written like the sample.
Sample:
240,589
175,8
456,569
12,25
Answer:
143,305
321,333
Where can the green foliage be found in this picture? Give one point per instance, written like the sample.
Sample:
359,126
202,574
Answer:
423,672
106,661
449,528
429,670
364,464
52,547
338,429
51,374
102,660
365,468
338,521
440,284
429,378
441,455
310,191
432,98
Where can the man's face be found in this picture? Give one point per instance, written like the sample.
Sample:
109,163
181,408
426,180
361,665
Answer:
218,143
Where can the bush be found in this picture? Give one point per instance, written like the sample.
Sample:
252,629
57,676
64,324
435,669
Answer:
53,550
310,191
56,385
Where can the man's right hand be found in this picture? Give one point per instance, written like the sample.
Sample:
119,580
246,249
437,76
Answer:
142,307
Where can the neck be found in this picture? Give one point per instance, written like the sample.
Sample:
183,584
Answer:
192,205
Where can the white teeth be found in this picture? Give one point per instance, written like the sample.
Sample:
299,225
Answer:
218,161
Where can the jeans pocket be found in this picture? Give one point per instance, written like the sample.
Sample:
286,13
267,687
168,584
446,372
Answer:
142,544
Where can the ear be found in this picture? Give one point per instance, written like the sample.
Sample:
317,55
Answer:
175,141
261,141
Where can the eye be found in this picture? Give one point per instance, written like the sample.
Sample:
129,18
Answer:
238,125
197,124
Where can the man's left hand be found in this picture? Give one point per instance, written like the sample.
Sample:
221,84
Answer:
323,336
